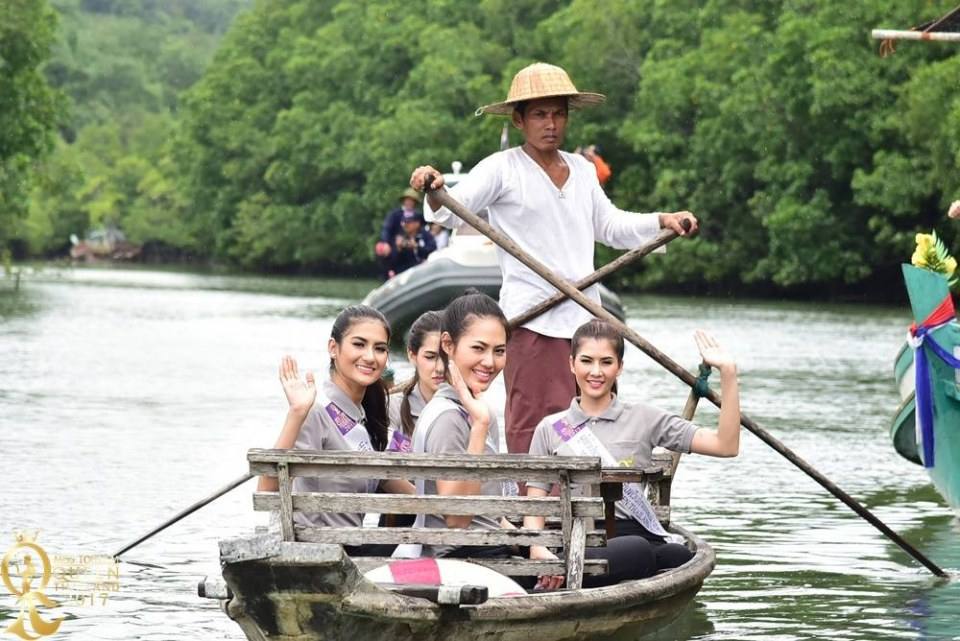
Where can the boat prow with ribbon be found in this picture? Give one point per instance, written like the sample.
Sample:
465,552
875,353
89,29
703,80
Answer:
926,426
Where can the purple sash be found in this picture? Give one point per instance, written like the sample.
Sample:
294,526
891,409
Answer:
354,433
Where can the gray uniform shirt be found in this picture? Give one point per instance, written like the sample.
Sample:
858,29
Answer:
629,431
416,406
450,434
319,432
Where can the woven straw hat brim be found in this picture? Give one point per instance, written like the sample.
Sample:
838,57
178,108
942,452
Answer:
410,192
578,100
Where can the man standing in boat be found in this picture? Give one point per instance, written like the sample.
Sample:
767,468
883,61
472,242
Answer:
552,205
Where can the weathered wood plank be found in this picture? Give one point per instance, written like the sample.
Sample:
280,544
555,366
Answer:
512,461
286,502
611,493
428,466
506,566
566,516
437,536
575,555
631,475
249,548
407,504
411,473
663,513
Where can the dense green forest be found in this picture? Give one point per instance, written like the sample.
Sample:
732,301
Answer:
120,67
29,107
810,160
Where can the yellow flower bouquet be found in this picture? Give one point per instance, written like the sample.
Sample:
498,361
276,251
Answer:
932,254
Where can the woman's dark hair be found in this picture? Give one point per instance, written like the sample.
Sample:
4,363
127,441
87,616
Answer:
427,322
598,329
474,304
374,400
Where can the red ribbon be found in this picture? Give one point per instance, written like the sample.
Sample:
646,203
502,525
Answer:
943,313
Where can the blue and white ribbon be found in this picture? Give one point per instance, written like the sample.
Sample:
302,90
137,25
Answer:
919,338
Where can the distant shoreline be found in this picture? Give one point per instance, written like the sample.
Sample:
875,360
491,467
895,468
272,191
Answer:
356,286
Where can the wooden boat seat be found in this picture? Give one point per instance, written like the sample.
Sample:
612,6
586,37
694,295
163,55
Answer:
576,514
658,478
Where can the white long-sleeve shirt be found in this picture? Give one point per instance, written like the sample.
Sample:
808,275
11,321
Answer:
558,227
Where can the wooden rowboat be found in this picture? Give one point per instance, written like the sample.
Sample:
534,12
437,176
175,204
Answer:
300,585
314,591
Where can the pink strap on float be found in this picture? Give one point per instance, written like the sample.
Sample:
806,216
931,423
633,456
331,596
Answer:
416,571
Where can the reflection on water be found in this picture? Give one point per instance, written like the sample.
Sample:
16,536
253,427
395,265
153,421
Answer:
127,395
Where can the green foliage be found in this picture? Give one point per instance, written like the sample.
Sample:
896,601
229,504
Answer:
29,107
810,160
123,64
777,123
312,115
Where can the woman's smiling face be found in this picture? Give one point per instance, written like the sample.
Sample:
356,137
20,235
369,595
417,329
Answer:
596,367
427,362
480,353
361,356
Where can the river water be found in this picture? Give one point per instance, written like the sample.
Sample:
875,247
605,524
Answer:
127,395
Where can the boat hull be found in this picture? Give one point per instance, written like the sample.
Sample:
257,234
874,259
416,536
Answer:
926,291
433,284
314,592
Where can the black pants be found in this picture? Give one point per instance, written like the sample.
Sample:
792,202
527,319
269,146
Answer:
633,553
370,549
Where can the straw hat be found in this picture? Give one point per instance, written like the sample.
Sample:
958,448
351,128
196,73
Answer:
541,80
410,192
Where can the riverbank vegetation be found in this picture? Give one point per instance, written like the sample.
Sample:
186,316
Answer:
810,160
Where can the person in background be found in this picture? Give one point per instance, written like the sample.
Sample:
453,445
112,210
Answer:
441,235
393,227
599,423
411,247
550,203
592,153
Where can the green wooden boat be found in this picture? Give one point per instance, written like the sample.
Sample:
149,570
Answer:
927,290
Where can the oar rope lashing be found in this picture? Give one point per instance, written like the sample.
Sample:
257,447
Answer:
702,387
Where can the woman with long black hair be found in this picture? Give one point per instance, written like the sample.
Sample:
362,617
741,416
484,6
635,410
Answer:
347,413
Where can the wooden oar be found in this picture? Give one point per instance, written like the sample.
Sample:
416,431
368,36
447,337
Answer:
190,510
628,258
689,409
446,200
